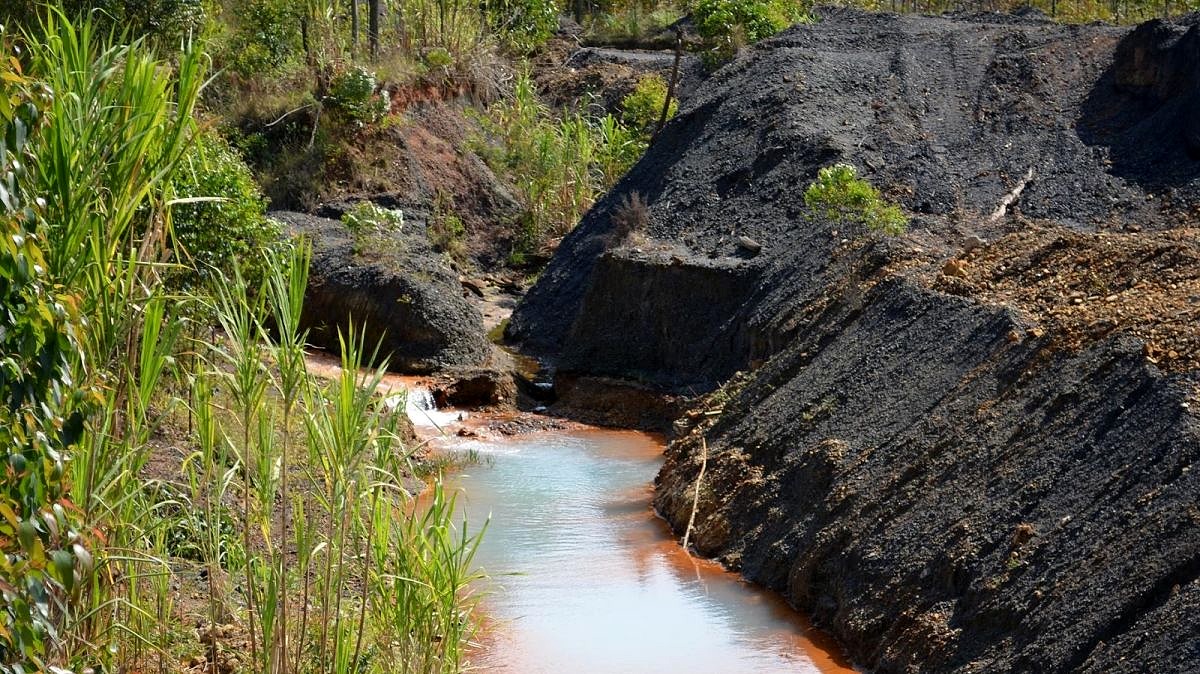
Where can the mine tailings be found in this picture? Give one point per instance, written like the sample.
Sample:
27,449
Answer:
966,448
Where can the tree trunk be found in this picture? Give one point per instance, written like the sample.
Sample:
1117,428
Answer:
373,15
353,27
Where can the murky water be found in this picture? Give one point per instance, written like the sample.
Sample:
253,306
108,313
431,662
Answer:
601,587
585,579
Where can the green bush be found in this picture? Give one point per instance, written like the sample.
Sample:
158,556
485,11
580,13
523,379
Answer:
165,24
264,38
210,235
727,25
446,230
560,163
374,228
839,194
352,92
366,218
523,24
40,544
642,108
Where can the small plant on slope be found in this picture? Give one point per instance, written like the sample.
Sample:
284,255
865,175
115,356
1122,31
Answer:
643,106
839,194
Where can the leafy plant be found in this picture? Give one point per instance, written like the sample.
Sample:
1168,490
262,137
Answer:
523,24
374,228
561,162
728,25
642,108
218,214
352,91
262,38
365,218
839,194
446,229
42,553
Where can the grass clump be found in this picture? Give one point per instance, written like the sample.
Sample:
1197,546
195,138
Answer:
633,23
446,230
285,496
729,25
839,194
562,162
643,107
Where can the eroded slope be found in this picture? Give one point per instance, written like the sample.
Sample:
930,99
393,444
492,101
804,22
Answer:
968,448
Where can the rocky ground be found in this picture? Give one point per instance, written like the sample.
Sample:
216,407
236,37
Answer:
967,448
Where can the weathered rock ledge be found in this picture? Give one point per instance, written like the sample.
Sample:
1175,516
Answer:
399,294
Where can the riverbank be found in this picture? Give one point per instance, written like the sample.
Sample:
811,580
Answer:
966,447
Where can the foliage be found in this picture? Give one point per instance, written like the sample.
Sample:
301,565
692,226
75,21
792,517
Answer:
458,26
263,37
727,25
406,608
42,553
164,24
561,162
839,194
118,124
228,223
374,228
446,230
352,92
643,107
634,23
523,24
366,218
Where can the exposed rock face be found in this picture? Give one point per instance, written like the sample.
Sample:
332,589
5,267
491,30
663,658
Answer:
965,449
946,492
400,295
475,387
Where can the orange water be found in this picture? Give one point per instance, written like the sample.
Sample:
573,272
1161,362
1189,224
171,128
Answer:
585,579
602,587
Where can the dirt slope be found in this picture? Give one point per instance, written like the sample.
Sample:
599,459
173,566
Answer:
965,449
944,115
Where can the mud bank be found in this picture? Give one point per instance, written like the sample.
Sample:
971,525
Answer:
965,449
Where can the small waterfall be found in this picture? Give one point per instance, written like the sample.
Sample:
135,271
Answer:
421,399
423,411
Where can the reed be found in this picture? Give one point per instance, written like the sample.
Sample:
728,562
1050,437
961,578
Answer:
285,495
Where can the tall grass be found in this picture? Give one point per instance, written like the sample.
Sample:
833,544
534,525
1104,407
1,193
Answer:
288,494
562,163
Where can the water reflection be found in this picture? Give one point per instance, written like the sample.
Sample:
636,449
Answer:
602,588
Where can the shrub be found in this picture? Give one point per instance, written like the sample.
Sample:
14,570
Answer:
40,545
727,25
264,38
210,235
374,228
523,24
839,194
560,163
353,93
366,218
446,230
642,108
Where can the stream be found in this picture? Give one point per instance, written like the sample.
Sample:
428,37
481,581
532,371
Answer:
585,579
602,587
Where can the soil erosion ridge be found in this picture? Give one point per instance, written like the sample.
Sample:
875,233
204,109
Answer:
966,448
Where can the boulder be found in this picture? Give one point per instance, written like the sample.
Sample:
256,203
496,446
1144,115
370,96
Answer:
397,292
